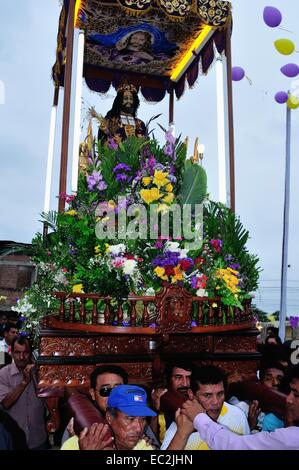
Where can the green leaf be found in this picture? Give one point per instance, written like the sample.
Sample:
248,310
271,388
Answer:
194,186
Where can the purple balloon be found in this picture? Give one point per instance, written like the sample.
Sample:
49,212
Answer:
272,17
290,70
281,97
237,74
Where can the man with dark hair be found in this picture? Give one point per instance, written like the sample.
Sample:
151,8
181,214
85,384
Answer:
208,385
18,396
102,381
10,332
220,438
177,375
121,121
272,375
3,321
126,414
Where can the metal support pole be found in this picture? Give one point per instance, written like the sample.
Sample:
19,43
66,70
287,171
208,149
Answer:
77,114
230,120
284,261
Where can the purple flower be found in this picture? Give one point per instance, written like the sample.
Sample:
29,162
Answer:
22,318
170,137
23,333
234,266
294,321
151,162
193,281
93,179
158,244
168,149
121,167
121,177
228,258
172,178
152,325
112,144
169,258
102,186
193,323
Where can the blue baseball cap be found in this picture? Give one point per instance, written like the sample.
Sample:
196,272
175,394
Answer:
130,399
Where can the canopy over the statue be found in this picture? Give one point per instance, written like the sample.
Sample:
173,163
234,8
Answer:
155,44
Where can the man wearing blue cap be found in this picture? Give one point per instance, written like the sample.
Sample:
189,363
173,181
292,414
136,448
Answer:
126,414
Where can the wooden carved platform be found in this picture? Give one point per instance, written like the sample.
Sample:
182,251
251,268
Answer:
70,349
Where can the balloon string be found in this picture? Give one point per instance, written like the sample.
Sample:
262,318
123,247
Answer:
249,80
284,29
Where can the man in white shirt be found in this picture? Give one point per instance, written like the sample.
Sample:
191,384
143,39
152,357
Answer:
10,332
208,385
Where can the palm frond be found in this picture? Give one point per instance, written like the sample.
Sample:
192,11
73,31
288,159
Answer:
50,218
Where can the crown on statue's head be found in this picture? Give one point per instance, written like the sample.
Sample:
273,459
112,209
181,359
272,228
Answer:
126,87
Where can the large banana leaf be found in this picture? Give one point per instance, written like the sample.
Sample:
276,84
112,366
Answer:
194,186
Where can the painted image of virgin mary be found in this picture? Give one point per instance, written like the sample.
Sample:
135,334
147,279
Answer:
139,44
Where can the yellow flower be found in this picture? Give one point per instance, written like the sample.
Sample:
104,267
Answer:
168,198
169,188
107,247
71,212
160,178
97,249
3,297
78,288
214,305
178,275
150,195
233,271
160,272
112,204
146,180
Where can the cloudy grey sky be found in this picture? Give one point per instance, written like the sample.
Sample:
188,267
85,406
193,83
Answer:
27,53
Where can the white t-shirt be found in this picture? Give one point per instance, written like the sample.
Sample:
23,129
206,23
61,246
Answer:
231,417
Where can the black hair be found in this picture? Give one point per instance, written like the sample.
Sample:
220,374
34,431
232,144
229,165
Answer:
180,365
8,327
107,369
271,365
115,111
293,373
207,375
21,339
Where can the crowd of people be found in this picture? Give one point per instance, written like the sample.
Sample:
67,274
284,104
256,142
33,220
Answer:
133,417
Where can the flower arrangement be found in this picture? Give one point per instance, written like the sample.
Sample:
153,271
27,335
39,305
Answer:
139,181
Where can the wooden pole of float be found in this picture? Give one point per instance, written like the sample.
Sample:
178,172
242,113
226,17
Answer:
228,54
66,104
171,107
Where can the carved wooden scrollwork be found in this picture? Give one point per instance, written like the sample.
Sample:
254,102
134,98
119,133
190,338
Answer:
174,306
228,344
50,346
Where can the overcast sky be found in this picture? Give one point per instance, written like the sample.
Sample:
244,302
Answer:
27,53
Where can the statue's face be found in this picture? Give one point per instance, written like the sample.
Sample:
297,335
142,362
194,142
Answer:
128,102
137,41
